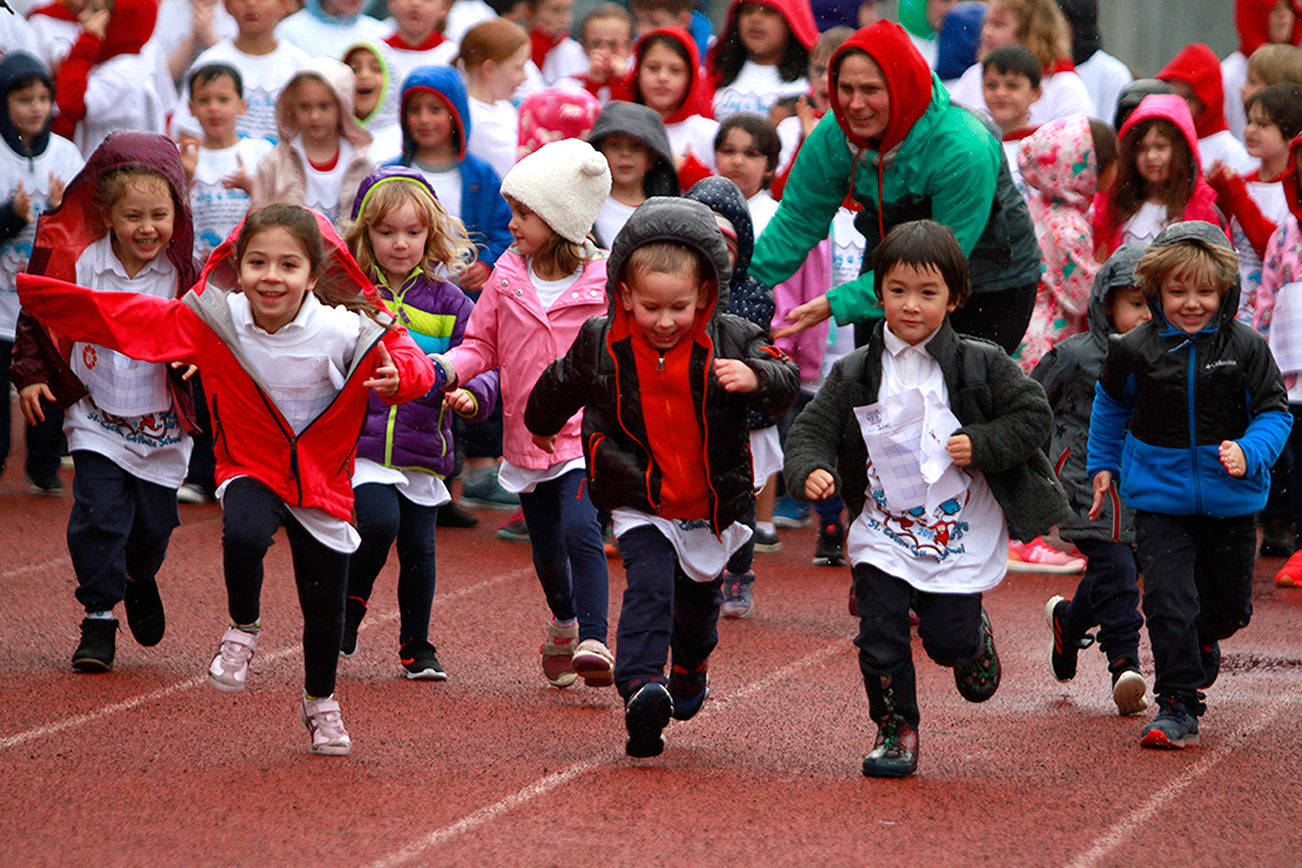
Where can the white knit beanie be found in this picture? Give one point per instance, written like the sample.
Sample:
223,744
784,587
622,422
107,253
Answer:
565,183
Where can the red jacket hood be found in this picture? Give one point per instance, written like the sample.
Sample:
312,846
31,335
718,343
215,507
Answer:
1290,178
1198,66
129,28
908,79
798,15
1252,17
698,99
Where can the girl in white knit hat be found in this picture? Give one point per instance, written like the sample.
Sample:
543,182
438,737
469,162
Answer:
542,290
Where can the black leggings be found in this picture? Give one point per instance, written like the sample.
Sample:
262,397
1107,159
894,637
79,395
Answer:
251,512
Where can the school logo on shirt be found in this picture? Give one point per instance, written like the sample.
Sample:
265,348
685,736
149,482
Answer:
89,357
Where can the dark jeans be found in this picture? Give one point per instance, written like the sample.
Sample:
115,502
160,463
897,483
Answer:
45,443
1108,596
1197,588
948,624
118,529
383,515
251,512
1285,502
742,559
663,612
569,553
203,463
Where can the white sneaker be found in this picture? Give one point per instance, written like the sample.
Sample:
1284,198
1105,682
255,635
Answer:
324,723
230,668
1128,692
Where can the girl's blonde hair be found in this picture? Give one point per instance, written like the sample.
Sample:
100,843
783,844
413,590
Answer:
558,255
495,39
331,284
446,243
1192,261
1041,28
1276,63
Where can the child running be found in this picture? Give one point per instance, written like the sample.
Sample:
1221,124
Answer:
1108,594
542,290
933,440
676,480
1190,412
124,227
290,337
403,239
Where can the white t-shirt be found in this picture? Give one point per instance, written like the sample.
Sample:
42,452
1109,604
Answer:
61,159
1011,150
446,184
215,208
1145,224
790,132
1225,147
701,554
755,89
494,131
957,545
264,77
1061,94
120,95
550,290
54,37
303,365
404,60
128,417
524,480
762,207
324,187
1234,72
566,59
464,15
611,219
694,135
386,143
321,38
421,488
1105,77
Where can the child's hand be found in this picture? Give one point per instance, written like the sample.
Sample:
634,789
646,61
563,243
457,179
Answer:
22,203
95,20
474,277
735,375
1232,458
805,111
385,378
1218,173
189,371
29,401
1290,380
546,444
460,401
189,147
240,179
959,448
1102,482
819,485
55,199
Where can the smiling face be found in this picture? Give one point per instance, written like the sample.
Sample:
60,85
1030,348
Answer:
1187,305
368,81
1262,136
664,305
316,111
275,274
663,77
1127,308
140,221
861,92
915,301
29,108
398,241
430,125
1008,97
763,33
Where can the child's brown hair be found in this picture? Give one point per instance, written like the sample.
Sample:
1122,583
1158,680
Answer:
665,257
301,224
495,39
558,254
1194,262
1105,144
1276,63
1130,190
112,185
446,242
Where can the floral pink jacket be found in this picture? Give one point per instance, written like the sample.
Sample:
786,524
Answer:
1281,266
1060,169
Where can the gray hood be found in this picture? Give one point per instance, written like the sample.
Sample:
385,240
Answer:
1117,272
669,218
1208,235
642,123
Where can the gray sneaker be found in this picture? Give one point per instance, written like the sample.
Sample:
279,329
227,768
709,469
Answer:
485,491
738,601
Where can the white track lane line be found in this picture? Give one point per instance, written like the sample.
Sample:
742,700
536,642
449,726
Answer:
1121,831
10,741
550,782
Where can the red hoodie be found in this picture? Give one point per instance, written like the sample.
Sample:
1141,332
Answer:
1202,202
1251,18
698,100
129,28
1197,66
797,13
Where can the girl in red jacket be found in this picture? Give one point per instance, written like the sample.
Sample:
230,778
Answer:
291,338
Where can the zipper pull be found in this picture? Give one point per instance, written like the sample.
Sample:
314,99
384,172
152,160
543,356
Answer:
660,365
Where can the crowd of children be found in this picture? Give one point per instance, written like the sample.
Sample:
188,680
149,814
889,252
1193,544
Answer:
1067,337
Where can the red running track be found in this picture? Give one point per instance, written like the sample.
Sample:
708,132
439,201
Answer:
148,765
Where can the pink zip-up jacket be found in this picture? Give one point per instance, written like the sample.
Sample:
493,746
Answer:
510,330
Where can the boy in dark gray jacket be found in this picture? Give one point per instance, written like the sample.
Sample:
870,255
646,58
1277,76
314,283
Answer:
1108,593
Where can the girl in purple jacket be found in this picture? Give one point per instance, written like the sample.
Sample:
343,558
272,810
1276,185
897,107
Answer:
403,239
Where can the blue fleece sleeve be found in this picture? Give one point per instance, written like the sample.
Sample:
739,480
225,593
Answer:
1264,440
1108,421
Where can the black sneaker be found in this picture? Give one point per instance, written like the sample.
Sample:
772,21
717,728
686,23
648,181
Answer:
688,688
1277,538
646,714
830,549
420,662
766,541
978,679
1211,659
895,754
98,645
452,515
1062,659
145,612
354,612
1174,727
46,485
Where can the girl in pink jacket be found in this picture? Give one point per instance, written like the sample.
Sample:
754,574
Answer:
542,290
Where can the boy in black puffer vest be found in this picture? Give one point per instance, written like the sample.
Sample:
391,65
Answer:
665,381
